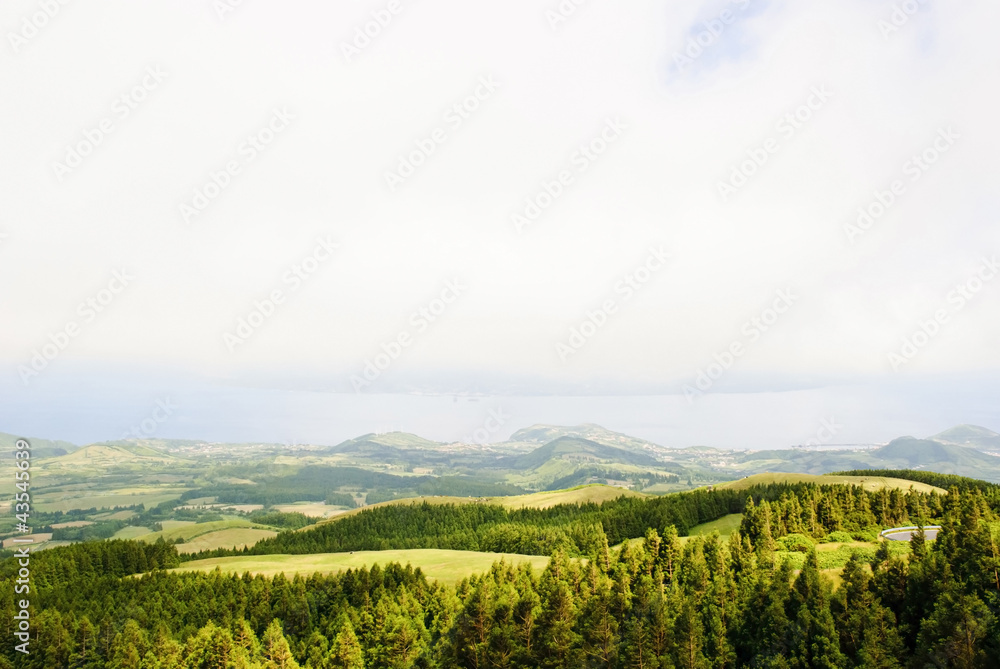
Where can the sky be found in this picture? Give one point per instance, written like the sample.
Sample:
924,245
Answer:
699,222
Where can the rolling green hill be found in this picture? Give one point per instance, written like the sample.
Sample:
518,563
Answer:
972,436
40,448
188,531
543,434
578,450
797,460
943,458
901,453
108,455
595,493
390,440
867,482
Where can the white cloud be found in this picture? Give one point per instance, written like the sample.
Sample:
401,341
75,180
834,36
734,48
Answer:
656,184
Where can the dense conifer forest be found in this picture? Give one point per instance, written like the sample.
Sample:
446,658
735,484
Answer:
656,602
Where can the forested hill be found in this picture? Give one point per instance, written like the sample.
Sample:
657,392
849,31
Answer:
946,481
578,528
656,603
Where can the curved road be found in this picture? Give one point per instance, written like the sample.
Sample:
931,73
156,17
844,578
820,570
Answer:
905,533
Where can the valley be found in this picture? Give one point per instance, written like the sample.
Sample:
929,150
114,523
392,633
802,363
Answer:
270,553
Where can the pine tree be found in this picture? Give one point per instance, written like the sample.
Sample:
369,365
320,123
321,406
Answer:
316,651
557,641
129,647
670,553
603,554
346,652
689,636
246,641
600,626
881,645
85,648
637,642
957,633
475,624
814,639
651,548
764,634
53,640
274,647
210,648
165,653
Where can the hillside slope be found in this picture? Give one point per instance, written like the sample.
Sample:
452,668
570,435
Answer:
943,458
595,493
971,436
40,448
109,455
543,434
867,482
579,450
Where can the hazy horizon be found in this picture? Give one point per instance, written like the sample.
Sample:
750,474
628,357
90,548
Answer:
77,410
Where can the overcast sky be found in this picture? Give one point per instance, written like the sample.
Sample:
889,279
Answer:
617,196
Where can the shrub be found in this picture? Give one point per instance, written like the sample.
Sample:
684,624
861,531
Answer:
795,542
867,534
839,537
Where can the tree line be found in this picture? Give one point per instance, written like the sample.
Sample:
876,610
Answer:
804,508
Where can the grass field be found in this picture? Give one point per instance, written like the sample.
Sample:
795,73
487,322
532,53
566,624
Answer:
74,523
37,538
868,482
665,488
725,525
87,500
442,565
231,538
311,509
596,492
116,515
132,532
188,531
